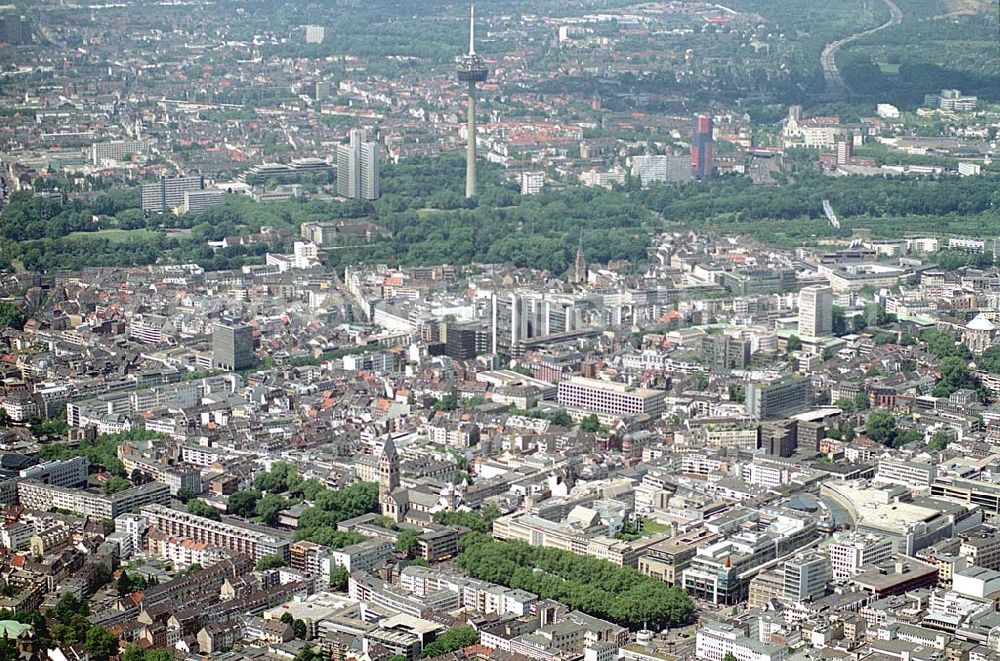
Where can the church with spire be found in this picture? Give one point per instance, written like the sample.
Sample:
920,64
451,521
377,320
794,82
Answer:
411,505
388,479
580,265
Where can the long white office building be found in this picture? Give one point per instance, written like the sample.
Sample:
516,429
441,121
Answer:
714,640
607,397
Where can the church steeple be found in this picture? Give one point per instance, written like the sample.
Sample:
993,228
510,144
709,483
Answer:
388,467
580,264
388,481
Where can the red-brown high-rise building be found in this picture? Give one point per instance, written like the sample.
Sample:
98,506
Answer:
701,146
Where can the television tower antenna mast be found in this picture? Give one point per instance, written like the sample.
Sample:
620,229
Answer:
471,70
472,29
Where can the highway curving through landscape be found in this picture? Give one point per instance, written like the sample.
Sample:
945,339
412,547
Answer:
835,85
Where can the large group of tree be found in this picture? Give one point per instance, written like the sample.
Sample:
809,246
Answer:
953,366
65,624
425,219
805,27
282,487
481,521
886,64
596,587
102,452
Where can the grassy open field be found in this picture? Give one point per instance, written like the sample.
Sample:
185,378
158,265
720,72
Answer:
115,235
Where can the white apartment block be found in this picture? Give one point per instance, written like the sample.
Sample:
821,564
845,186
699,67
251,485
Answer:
605,179
237,538
363,556
15,536
652,168
744,439
532,183
699,463
969,169
133,525
45,497
197,455
924,245
20,406
967,244
183,553
116,150
315,34
812,136
767,474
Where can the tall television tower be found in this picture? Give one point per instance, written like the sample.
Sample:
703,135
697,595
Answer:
471,70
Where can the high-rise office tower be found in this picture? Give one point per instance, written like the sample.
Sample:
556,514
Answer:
816,311
701,146
232,346
471,70
519,317
370,175
358,174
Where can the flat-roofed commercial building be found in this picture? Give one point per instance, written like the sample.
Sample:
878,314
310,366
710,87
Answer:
906,473
975,492
720,572
59,472
911,524
896,577
607,397
715,640
667,559
779,399
850,551
982,550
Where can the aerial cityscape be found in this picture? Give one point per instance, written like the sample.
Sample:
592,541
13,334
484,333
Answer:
535,330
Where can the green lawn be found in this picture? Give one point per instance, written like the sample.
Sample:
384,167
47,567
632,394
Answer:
650,527
427,211
114,235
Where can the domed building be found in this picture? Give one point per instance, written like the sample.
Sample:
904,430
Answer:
979,334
